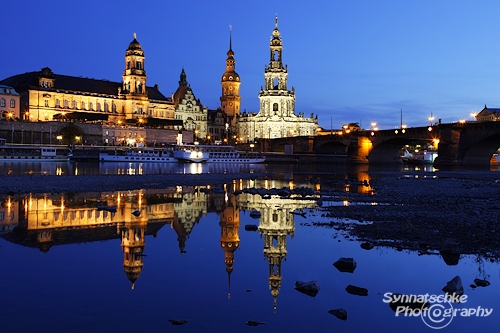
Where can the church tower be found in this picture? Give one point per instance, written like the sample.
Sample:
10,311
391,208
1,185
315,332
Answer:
230,99
275,98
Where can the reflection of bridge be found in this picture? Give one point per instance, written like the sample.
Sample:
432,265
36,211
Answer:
472,143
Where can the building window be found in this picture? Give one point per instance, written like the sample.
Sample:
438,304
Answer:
74,105
128,65
139,65
113,107
57,103
2,102
91,106
46,103
106,107
66,104
12,103
140,110
98,106
83,105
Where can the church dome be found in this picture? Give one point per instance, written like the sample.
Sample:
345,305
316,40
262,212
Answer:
134,45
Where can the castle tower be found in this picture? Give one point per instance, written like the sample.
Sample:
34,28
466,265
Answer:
230,99
134,82
134,76
230,240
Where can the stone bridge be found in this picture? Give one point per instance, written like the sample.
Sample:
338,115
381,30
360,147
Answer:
470,143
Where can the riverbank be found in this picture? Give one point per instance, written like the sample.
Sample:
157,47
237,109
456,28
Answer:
422,211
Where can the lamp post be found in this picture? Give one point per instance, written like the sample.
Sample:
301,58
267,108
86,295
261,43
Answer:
59,137
431,119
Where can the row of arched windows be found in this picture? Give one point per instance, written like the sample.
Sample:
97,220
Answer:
83,105
3,103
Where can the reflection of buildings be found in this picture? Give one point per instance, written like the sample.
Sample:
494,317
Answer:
229,239
276,223
9,214
133,244
188,212
48,221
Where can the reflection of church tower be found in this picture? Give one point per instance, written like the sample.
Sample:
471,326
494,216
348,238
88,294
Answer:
230,240
275,226
133,243
230,99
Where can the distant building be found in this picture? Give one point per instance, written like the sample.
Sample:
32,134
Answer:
488,114
218,127
276,117
189,110
9,103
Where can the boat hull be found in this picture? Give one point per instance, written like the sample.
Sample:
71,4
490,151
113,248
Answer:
34,159
103,157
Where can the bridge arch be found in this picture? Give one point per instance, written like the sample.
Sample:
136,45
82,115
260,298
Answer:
480,151
388,151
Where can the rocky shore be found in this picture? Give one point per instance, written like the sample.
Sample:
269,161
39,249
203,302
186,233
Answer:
423,211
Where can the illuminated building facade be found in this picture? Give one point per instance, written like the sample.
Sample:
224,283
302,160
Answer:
488,114
189,110
276,117
46,96
9,103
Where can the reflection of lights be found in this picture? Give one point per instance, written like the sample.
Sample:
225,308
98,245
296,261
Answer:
291,185
195,168
345,202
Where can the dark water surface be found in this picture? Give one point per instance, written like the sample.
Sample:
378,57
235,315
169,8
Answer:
69,266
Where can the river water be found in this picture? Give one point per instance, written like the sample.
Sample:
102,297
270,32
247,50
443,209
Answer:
195,253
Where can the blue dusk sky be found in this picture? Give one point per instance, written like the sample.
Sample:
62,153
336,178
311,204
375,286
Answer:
349,61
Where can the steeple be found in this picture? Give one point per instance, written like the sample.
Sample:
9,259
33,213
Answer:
230,98
276,47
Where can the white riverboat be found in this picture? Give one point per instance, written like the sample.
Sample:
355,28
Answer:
148,155
32,153
229,154
216,154
190,153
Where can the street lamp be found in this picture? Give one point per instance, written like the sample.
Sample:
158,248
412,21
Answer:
473,115
431,119
59,137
